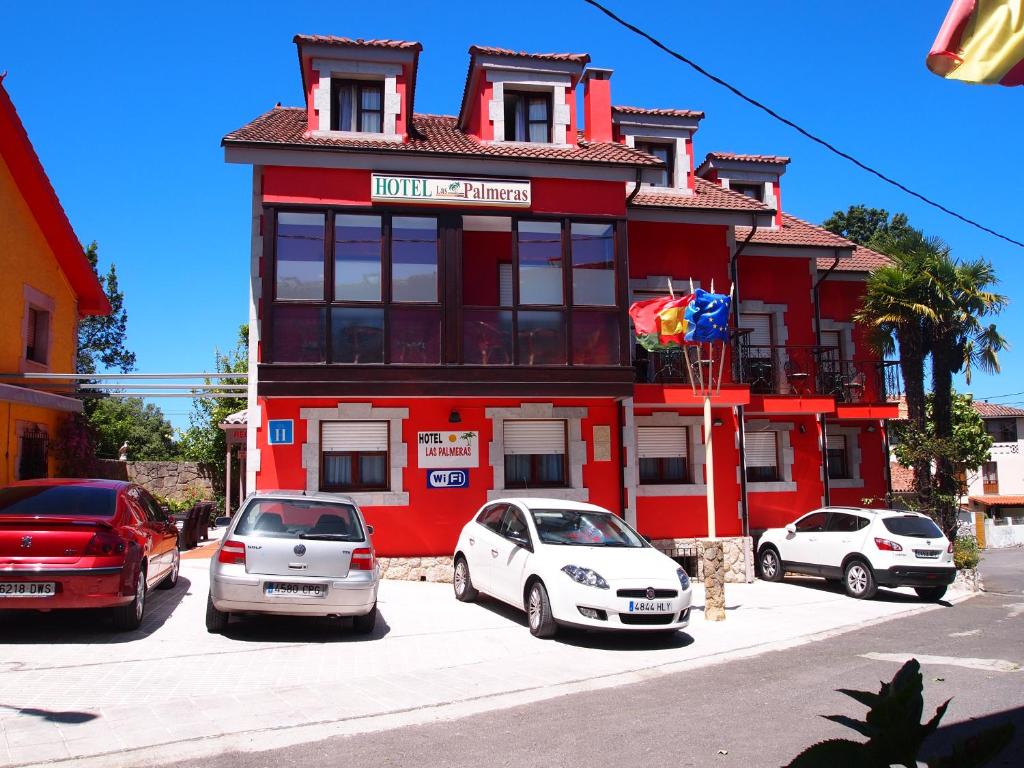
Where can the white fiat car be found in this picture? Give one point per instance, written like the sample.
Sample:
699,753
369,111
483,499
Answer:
863,548
567,563
291,553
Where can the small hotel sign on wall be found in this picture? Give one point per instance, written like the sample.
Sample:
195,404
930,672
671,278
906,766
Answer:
450,191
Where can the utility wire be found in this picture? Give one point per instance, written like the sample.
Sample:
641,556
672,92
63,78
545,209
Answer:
675,54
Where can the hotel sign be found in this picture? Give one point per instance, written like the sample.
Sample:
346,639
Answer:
448,449
496,193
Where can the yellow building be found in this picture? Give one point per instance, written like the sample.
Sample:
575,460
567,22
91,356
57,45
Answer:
46,285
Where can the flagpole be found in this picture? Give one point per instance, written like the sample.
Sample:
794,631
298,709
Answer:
709,459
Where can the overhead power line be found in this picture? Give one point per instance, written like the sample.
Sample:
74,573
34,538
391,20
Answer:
803,131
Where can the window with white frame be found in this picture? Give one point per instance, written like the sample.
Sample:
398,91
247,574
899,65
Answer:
762,457
756,191
357,105
663,455
664,151
838,458
535,453
527,116
354,456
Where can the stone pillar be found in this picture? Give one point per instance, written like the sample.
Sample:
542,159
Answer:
714,580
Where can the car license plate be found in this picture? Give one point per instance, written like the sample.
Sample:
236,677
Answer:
647,606
273,589
27,589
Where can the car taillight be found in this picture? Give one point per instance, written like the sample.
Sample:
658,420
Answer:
949,549
105,544
362,560
888,546
232,553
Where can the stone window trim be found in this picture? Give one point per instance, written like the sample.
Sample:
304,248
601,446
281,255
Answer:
782,430
555,84
41,302
386,74
853,456
696,450
576,451
398,452
768,180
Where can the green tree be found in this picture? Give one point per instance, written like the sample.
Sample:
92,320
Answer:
101,339
149,435
204,440
868,226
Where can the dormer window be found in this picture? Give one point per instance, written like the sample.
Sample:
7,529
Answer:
664,152
755,191
358,106
527,116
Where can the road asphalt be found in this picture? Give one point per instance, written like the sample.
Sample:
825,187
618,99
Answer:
760,711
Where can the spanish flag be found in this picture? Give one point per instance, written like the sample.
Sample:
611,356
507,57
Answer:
981,41
660,323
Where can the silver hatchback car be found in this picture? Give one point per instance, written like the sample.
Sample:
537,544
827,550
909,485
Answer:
291,553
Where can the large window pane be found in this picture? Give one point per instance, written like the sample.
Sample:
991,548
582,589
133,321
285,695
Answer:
371,109
487,337
298,335
357,335
413,259
300,256
540,262
415,336
595,338
357,258
541,338
593,264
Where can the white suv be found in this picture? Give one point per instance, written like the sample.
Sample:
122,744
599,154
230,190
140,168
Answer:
863,548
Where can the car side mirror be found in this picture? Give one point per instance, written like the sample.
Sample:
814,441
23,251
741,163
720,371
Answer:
369,529
791,529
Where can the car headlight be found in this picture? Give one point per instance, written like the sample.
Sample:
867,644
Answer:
684,579
585,576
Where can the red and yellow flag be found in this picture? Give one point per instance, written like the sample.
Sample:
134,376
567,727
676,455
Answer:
981,41
660,323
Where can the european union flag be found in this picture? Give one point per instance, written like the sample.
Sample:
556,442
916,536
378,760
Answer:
707,317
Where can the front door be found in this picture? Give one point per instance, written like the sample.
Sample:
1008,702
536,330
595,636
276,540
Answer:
482,550
511,559
803,547
842,536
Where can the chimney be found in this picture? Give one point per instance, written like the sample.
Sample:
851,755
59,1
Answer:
597,104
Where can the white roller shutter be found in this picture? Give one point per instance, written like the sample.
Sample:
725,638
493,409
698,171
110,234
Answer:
655,442
831,340
836,442
761,449
504,284
526,437
354,436
760,327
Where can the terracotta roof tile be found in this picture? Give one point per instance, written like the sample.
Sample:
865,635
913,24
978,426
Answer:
747,158
998,501
486,50
705,196
692,113
864,260
287,126
989,410
795,232
347,42
902,478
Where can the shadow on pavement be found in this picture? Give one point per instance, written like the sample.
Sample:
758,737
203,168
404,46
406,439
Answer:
883,596
66,627
941,742
300,629
69,717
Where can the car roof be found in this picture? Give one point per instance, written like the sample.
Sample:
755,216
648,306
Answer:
75,482
548,503
875,511
291,493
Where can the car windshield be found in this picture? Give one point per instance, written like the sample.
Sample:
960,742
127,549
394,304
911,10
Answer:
584,528
57,501
300,519
913,526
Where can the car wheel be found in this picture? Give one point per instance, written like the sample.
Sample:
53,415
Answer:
931,594
859,581
171,580
216,621
771,564
538,610
462,583
129,617
363,625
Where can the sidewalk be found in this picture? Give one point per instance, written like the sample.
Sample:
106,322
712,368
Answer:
72,689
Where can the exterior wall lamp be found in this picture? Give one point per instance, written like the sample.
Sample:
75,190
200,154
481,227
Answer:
454,417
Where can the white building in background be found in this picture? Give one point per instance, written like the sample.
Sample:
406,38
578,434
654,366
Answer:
997,489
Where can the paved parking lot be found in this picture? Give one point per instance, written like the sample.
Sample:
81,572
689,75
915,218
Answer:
71,688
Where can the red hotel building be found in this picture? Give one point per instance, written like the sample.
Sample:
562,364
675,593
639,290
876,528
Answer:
439,306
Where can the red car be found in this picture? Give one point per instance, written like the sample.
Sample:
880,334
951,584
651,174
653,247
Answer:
84,544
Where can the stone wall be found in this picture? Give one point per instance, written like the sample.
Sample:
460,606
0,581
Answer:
738,552
176,480
416,568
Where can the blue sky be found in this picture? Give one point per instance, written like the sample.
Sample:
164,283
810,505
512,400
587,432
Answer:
126,104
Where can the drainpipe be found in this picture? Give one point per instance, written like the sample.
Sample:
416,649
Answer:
636,187
822,420
734,273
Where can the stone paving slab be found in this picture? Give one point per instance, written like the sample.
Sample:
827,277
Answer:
71,688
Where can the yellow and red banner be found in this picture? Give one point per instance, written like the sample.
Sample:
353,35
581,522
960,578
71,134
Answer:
981,41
